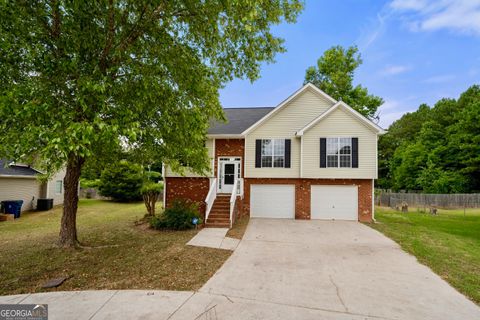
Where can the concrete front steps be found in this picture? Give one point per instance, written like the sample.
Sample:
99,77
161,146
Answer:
219,216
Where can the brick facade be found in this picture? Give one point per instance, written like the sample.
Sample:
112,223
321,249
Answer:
302,194
229,148
194,189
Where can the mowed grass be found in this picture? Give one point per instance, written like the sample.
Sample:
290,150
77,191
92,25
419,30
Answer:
117,253
449,243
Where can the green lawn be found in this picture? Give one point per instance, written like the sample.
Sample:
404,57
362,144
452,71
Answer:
448,243
122,255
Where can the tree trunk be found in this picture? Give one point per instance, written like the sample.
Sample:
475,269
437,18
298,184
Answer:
154,199
68,229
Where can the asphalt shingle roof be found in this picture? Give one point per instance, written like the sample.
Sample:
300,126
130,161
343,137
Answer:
15,170
239,119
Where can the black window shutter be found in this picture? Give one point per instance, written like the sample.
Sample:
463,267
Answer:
288,144
323,152
258,153
354,152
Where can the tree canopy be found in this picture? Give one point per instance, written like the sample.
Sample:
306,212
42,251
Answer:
80,78
436,150
334,74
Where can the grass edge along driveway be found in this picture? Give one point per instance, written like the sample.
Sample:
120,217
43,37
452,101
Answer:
448,243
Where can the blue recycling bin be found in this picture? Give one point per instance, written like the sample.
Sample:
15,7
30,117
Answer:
13,207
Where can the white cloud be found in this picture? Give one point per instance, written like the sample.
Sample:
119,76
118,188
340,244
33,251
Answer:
473,72
387,118
374,30
440,78
389,105
390,111
393,70
430,15
408,4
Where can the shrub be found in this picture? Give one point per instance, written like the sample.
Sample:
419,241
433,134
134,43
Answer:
150,192
89,184
121,181
177,217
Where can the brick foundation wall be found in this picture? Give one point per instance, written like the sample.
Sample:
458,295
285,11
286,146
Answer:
194,189
229,148
302,194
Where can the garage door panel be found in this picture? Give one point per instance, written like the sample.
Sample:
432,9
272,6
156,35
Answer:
272,201
334,202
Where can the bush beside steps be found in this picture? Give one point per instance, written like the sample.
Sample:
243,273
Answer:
179,216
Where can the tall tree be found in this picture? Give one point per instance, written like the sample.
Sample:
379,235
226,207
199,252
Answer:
334,74
436,149
403,130
79,78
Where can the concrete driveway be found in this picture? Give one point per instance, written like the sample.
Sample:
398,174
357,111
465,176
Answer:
287,269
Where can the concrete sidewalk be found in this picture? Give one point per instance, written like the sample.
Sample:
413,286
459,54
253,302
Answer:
108,304
166,305
214,238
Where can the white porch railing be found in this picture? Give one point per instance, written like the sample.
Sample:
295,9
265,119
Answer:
210,199
233,198
240,187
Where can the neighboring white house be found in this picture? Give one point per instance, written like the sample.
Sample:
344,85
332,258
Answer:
19,182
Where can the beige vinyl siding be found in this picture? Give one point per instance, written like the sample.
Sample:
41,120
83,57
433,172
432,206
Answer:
340,123
283,125
26,189
51,190
209,144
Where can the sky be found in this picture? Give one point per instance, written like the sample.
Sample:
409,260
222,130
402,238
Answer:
413,51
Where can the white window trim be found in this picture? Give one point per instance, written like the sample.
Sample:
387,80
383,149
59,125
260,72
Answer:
338,154
220,160
273,153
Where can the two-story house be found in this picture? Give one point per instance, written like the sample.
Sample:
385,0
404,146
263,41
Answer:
311,157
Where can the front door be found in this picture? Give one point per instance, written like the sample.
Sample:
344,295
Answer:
229,171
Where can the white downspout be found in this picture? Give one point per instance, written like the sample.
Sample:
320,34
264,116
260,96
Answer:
373,200
301,156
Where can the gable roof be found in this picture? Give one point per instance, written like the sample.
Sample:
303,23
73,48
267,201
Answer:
239,119
341,104
8,168
286,101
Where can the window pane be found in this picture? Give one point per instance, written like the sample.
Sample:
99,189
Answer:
267,147
278,162
266,161
58,186
279,147
345,150
345,145
332,145
345,161
332,161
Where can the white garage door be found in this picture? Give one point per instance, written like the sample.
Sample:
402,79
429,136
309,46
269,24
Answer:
272,201
334,202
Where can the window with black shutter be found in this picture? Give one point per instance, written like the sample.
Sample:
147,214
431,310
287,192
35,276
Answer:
272,153
339,152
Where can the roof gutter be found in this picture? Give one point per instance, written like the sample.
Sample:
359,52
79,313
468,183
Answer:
226,136
17,176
